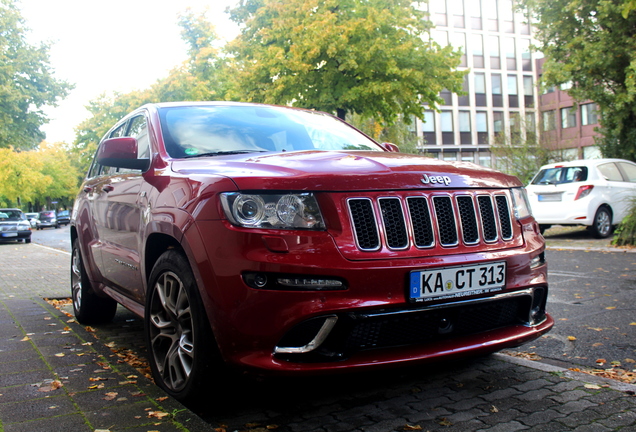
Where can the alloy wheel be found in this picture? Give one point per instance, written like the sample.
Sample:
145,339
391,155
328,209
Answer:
172,331
76,279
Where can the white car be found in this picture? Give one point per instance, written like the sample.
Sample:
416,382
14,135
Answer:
596,193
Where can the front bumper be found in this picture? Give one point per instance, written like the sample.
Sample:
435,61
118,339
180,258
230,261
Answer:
375,323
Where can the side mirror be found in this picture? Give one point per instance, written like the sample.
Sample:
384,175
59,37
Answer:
390,147
121,152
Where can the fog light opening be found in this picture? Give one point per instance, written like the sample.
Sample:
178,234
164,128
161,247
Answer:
321,335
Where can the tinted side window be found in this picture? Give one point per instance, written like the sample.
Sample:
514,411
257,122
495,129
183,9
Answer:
139,129
610,172
629,170
119,131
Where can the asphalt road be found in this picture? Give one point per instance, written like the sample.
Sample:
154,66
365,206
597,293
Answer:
592,301
57,238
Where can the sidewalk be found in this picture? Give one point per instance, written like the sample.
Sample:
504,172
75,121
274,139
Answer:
55,375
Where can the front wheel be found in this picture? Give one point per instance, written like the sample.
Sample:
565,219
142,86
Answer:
602,226
89,308
182,350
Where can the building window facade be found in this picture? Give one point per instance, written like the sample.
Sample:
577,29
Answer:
568,118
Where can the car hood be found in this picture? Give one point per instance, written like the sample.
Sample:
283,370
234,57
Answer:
343,171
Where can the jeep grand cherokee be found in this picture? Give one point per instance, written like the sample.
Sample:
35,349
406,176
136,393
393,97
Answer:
283,240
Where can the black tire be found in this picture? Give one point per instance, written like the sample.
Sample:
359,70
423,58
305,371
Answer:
89,308
602,225
182,351
27,240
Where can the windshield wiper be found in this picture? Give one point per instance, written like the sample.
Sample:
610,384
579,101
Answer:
226,152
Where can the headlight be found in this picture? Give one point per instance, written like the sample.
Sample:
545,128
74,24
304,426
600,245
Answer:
521,203
278,211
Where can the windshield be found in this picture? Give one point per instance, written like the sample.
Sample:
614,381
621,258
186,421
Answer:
213,130
11,215
561,175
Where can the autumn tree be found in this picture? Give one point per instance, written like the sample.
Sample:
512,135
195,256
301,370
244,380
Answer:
592,44
39,175
369,57
27,83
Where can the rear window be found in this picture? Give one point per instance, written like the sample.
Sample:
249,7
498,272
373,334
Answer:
561,175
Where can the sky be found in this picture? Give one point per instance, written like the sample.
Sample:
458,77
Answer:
111,46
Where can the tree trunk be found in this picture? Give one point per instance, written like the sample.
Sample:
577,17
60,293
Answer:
341,113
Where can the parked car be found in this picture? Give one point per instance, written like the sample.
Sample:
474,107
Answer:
596,193
63,217
33,219
285,241
14,225
47,219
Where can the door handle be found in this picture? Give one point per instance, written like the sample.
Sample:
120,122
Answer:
88,189
108,188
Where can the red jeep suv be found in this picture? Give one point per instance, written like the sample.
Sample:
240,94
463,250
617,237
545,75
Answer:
284,240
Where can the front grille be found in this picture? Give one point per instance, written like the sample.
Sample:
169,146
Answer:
430,325
449,219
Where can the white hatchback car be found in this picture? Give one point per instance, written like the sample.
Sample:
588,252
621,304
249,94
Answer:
596,193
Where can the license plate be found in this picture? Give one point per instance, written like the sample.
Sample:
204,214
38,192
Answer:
9,234
550,197
454,282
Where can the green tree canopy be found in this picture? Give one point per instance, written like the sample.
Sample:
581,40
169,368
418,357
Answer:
369,57
26,83
592,44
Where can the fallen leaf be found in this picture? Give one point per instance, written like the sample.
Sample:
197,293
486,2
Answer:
445,422
571,338
157,414
592,386
24,339
601,361
408,427
110,396
494,409
162,398
48,386
97,379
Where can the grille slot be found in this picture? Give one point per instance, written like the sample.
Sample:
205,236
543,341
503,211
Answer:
446,225
421,221
470,232
366,229
504,217
487,213
395,226
424,220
